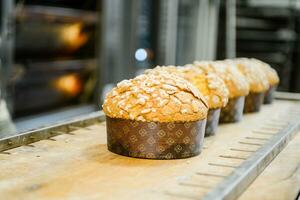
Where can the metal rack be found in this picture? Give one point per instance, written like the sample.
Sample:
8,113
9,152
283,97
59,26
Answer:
32,136
268,32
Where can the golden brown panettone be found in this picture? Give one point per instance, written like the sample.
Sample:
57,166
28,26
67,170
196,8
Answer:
269,71
235,81
256,77
156,97
209,84
158,69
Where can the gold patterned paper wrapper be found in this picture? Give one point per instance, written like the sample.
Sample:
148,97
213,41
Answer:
253,102
233,111
269,95
155,140
212,122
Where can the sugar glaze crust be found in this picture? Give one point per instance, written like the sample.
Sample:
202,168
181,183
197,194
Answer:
258,80
209,84
156,97
234,80
271,73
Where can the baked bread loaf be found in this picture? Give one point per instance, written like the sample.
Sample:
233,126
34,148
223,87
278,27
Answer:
209,84
269,71
156,97
161,69
235,82
256,77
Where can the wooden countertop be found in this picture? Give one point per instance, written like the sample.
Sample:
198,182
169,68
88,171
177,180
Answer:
80,167
281,179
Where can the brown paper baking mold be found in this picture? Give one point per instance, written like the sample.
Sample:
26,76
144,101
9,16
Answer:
155,140
269,95
233,111
253,102
212,122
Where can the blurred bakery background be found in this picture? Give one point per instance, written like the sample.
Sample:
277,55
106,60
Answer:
59,57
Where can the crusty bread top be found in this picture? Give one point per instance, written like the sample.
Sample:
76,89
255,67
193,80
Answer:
258,80
234,80
271,73
156,97
209,84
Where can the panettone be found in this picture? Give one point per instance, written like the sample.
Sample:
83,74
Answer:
156,97
235,82
269,71
169,69
155,116
258,82
256,77
209,84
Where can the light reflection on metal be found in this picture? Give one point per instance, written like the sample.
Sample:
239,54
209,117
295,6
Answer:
141,54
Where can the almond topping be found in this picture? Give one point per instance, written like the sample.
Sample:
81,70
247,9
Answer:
145,111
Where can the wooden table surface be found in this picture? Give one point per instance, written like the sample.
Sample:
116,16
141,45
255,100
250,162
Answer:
79,166
281,179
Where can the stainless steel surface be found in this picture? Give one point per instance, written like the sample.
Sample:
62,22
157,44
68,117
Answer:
197,30
207,30
118,40
201,29
214,7
32,12
7,127
34,121
6,47
50,131
190,20
187,31
231,28
171,31
167,32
